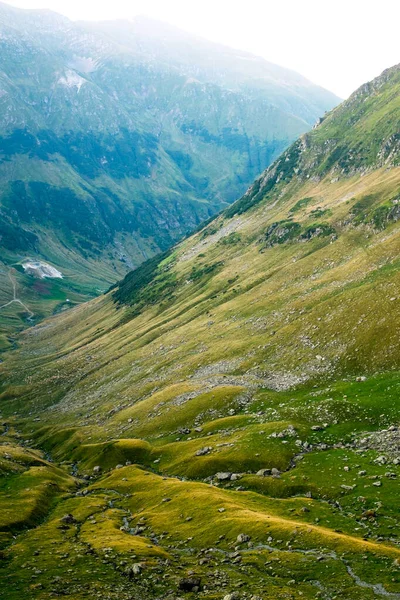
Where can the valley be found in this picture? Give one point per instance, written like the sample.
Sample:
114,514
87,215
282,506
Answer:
223,423
119,138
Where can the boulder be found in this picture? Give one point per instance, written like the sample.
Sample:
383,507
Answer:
263,472
233,596
222,476
68,519
190,584
203,451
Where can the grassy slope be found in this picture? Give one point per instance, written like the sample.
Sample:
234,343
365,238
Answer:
247,339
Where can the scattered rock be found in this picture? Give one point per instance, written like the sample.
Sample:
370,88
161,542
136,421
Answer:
263,472
203,451
232,596
133,570
222,476
190,584
68,519
242,538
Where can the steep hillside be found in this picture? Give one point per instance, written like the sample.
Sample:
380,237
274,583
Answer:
112,146
230,410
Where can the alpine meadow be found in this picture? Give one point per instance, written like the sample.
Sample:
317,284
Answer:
201,398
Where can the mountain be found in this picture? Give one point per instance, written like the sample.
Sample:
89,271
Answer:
117,139
224,422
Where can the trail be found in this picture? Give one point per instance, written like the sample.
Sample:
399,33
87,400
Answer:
15,299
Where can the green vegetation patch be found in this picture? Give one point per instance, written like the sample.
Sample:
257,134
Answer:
148,284
301,204
281,232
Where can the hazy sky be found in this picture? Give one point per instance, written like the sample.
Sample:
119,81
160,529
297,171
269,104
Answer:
338,44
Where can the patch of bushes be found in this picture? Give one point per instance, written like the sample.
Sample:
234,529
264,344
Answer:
231,240
317,230
361,209
14,237
210,230
286,231
281,232
384,215
200,271
380,217
282,170
147,284
321,212
300,204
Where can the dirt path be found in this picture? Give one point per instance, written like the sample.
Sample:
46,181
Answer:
15,299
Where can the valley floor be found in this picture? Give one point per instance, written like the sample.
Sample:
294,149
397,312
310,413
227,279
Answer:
130,518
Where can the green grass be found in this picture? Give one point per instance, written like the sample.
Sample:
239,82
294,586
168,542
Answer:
234,353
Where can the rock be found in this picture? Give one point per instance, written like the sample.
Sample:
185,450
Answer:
362,473
133,570
362,378
377,483
235,476
348,488
223,476
263,472
275,472
203,451
232,596
242,538
68,519
381,460
97,469
190,584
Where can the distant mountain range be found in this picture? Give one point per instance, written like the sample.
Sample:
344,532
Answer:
118,138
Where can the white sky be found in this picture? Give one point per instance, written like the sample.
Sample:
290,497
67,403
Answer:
338,44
